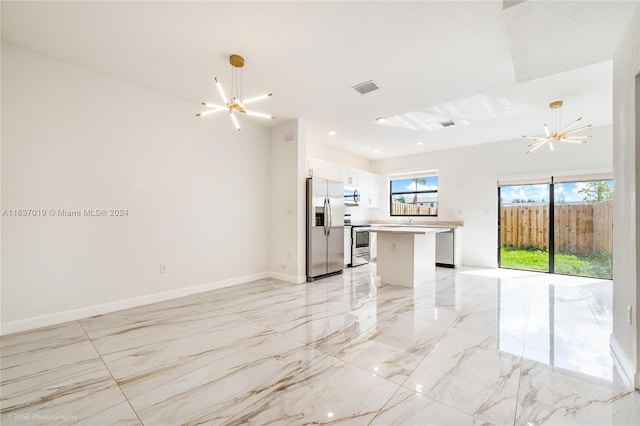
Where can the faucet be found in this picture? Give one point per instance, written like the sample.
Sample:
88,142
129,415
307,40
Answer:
410,221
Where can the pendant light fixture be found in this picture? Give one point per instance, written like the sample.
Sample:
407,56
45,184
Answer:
237,104
557,134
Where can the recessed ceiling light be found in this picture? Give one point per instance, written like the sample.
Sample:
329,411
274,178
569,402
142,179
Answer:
420,143
331,132
381,120
376,150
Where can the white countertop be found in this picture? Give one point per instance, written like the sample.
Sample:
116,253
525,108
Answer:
420,223
398,229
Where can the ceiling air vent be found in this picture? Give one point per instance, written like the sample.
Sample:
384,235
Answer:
447,123
366,87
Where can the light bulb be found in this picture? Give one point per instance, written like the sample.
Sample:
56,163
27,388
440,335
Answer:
235,121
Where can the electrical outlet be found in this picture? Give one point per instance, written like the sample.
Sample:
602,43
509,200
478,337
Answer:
393,246
629,311
163,268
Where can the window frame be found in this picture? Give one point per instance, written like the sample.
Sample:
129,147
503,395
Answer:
414,175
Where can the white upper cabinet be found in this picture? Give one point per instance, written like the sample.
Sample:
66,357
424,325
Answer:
352,177
325,169
369,188
316,168
367,182
374,190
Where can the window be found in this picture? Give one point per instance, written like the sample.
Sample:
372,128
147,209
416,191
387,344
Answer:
414,194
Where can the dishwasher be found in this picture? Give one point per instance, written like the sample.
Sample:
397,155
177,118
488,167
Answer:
445,249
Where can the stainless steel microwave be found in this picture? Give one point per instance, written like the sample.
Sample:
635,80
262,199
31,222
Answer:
351,196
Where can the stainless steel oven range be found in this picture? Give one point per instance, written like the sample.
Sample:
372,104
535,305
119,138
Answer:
360,251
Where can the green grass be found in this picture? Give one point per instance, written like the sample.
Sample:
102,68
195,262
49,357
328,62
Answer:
529,259
599,264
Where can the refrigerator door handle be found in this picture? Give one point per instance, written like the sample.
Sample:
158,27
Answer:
326,222
330,215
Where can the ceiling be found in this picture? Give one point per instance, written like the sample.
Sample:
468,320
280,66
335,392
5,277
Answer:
493,71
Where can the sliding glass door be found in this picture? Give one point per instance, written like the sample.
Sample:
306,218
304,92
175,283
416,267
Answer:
583,228
564,226
524,227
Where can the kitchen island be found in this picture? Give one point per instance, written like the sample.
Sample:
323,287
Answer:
406,254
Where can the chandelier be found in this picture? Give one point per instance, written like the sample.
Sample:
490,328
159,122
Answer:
557,134
237,104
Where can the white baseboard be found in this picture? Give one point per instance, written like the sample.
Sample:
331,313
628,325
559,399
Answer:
294,279
105,308
624,364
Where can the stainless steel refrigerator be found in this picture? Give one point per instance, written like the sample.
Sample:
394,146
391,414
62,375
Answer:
325,227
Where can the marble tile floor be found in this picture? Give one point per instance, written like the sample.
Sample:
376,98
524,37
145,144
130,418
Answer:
469,346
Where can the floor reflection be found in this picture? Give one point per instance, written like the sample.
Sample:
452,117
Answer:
569,327
560,321
468,346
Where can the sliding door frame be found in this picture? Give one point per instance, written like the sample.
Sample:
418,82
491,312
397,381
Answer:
551,232
551,225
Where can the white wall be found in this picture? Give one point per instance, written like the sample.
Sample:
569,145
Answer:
287,223
626,66
468,182
332,154
195,189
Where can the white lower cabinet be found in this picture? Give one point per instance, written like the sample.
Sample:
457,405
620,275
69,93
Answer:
347,246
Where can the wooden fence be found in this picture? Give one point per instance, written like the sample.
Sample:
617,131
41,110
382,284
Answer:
579,228
603,226
524,226
412,209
